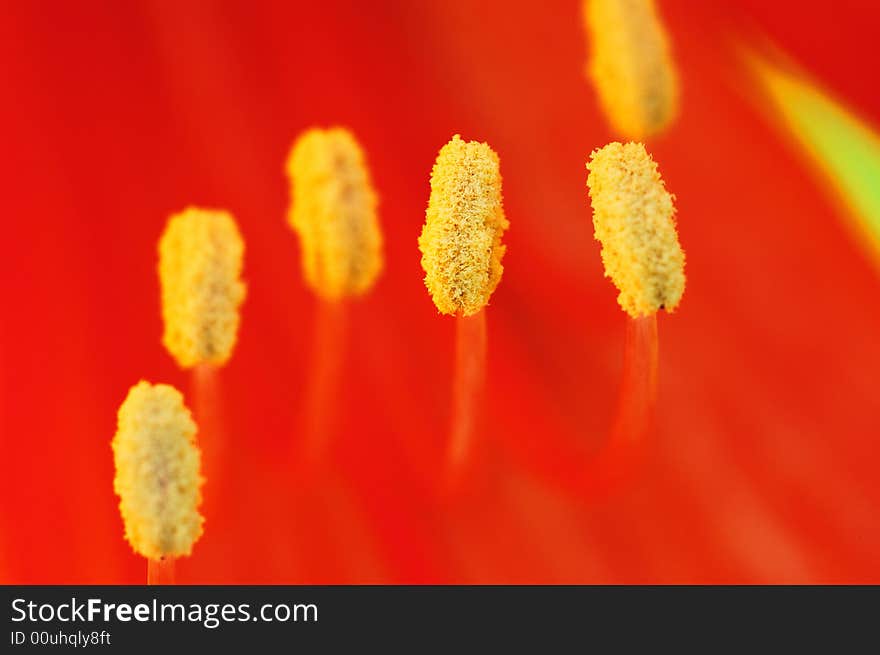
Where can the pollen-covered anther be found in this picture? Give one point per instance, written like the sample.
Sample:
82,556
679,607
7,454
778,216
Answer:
631,66
158,478
461,240
633,217
200,263
333,210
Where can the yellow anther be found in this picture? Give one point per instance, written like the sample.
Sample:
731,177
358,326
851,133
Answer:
633,217
333,210
461,240
200,262
158,477
631,66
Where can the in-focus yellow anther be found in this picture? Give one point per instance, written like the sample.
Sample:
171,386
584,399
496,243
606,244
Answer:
630,65
333,210
461,240
633,217
158,477
200,262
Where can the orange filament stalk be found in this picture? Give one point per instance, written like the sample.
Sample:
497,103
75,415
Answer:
333,211
467,387
326,366
638,389
208,414
161,571
620,455
206,398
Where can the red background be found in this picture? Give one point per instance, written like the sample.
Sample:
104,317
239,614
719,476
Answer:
763,459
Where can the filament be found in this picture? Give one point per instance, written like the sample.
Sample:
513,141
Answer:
328,354
621,454
208,414
161,571
638,388
467,388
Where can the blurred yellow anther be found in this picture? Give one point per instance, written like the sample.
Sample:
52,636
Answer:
200,262
461,240
631,66
158,477
633,217
333,210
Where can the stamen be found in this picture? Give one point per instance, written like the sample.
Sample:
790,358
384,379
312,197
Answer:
630,65
333,211
633,218
158,478
461,256
200,262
